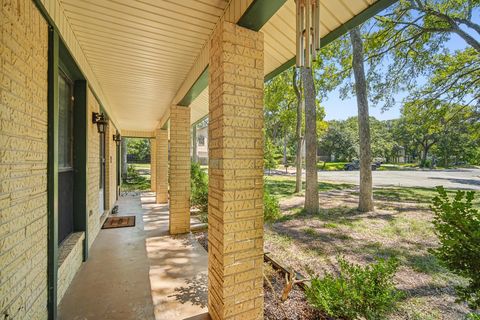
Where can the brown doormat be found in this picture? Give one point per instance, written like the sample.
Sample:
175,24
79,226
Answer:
119,222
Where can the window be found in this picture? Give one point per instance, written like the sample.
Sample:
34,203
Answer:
201,141
65,123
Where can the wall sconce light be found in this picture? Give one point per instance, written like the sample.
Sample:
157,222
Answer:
117,138
100,120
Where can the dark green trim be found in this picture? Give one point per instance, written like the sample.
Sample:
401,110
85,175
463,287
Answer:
165,125
258,13
52,172
338,32
200,84
80,139
68,64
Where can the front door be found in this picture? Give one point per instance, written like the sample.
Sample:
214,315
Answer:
65,157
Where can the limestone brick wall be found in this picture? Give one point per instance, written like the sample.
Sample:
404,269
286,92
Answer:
235,209
179,169
23,161
153,165
70,257
93,171
111,167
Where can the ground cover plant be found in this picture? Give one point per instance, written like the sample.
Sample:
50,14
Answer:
356,292
199,190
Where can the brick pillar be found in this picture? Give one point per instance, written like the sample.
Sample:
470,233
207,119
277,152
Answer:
161,141
235,202
179,169
153,165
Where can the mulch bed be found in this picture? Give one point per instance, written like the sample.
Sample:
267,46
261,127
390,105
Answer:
295,308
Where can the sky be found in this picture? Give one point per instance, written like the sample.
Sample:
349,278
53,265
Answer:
337,109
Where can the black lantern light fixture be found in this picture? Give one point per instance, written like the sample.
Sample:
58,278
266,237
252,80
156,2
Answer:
100,120
117,138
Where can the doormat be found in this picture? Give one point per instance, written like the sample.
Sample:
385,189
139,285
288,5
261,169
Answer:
119,222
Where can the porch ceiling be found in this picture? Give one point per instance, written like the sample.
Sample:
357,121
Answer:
143,51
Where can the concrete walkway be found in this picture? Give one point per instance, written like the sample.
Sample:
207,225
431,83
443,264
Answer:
140,272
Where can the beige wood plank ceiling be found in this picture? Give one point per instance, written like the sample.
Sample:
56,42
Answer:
141,51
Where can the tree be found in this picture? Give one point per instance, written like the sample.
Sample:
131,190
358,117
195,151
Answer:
311,180
340,141
409,42
124,158
139,148
365,202
269,155
298,132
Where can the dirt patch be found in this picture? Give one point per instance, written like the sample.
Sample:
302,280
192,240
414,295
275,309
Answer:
296,307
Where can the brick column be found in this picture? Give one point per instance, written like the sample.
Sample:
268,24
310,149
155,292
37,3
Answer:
161,141
235,203
179,169
153,165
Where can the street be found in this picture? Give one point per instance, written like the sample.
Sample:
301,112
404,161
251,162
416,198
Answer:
450,178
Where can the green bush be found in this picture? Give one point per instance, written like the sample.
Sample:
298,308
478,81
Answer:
271,207
357,291
131,172
199,186
457,225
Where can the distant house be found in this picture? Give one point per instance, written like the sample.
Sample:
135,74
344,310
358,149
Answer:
202,145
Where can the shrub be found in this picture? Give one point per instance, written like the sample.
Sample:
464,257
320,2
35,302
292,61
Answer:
457,225
131,172
199,187
271,207
357,291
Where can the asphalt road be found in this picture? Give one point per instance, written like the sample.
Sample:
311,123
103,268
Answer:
450,178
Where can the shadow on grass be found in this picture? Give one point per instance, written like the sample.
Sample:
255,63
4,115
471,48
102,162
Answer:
282,187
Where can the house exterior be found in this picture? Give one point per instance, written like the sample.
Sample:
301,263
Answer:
200,145
74,73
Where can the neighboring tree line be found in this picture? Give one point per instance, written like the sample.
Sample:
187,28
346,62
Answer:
425,133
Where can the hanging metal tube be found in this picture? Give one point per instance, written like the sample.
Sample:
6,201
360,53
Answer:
308,30
317,26
299,34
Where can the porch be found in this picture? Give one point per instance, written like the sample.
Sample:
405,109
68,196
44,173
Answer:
78,75
140,272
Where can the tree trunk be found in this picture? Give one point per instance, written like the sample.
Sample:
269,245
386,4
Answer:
124,158
311,179
298,135
365,202
285,149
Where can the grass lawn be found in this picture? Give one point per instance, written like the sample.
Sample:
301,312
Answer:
330,166
399,227
284,186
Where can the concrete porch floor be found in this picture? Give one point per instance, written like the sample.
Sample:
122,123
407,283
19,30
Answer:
140,272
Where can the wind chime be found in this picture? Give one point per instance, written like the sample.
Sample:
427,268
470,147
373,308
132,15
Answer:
308,32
